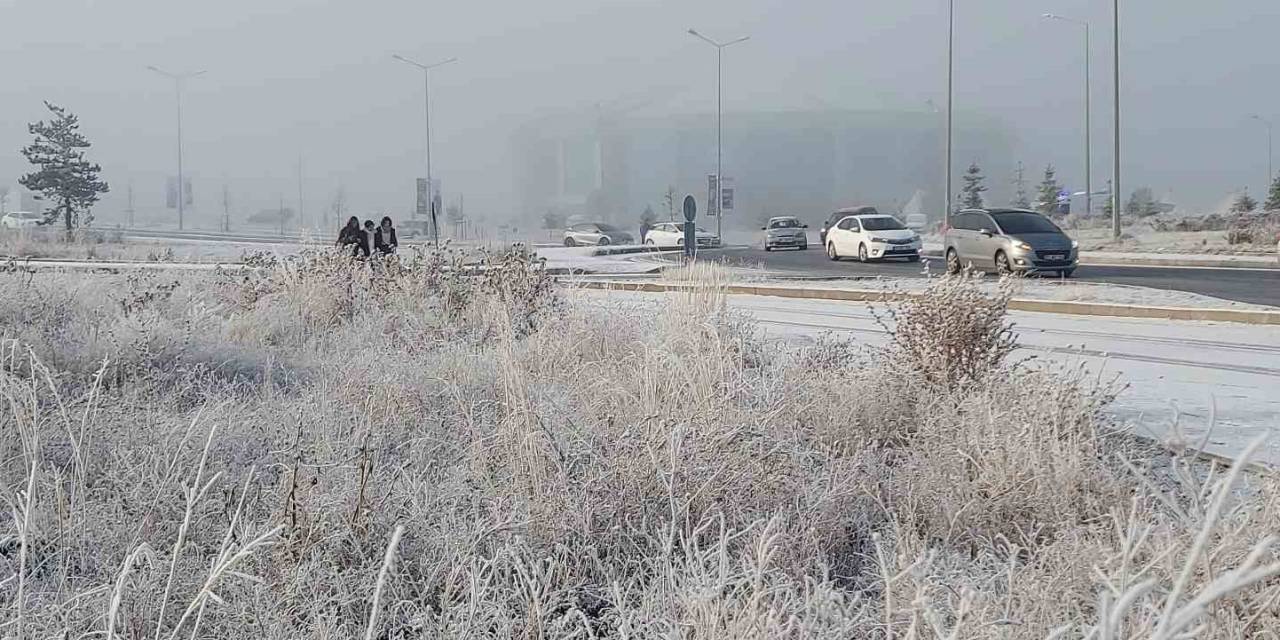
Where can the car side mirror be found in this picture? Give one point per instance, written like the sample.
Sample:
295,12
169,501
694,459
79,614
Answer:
805,226
985,232
764,228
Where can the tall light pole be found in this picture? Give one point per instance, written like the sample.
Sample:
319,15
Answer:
1271,176
426,86
720,47
1088,184
951,49
178,80
1115,154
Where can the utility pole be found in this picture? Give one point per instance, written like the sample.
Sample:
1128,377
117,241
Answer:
226,208
951,47
302,221
1088,171
718,200
281,215
426,86
178,80
1115,168
130,205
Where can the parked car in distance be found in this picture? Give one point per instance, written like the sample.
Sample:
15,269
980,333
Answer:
596,233
872,237
917,222
785,231
1009,240
21,220
839,215
671,234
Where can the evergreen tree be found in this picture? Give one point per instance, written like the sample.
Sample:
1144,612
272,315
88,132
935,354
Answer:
1020,198
973,187
1244,204
1047,192
1142,203
68,181
1273,198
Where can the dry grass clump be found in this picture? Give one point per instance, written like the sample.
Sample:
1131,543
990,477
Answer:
436,450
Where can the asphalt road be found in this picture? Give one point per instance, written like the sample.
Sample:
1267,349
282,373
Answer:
1256,286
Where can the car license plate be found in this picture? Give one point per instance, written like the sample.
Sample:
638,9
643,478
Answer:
1054,256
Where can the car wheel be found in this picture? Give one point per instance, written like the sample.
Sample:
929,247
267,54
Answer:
766,247
803,247
953,262
570,242
1002,264
862,253
604,242
832,253
1067,273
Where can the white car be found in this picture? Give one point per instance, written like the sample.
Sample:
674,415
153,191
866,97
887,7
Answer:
595,233
21,220
872,237
671,234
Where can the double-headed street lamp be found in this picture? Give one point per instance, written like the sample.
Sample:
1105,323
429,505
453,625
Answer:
426,85
1271,176
1088,185
720,47
178,80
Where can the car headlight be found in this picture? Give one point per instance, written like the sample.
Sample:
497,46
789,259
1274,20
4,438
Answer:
1023,246
1075,244
880,240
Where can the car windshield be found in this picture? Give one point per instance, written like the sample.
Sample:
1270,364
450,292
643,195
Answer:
784,223
1017,222
881,223
607,227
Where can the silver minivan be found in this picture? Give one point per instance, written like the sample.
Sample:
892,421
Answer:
1009,240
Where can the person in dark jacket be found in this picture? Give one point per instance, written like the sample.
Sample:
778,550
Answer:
355,237
384,237
645,226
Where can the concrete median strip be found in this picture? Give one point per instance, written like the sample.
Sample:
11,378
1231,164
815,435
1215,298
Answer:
1245,316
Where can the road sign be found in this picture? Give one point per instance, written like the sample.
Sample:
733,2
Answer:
690,229
711,194
726,195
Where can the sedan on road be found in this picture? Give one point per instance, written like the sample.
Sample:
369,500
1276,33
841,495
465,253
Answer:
1009,240
872,237
785,231
840,214
21,220
596,233
671,234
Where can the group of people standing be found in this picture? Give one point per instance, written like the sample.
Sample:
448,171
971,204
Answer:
363,241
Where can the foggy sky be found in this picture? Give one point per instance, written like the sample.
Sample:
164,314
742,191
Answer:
315,79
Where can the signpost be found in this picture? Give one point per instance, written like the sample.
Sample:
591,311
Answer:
690,229
712,200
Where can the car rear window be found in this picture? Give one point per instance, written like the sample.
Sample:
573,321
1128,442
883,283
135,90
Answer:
1022,222
784,224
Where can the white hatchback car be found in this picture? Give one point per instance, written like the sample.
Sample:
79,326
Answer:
872,237
21,220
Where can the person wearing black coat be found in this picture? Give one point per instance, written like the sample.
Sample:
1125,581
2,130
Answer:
384,237
355,237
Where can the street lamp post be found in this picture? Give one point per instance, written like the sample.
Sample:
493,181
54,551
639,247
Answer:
720,47
1271,176
178,80
951,48
426,86
1088,184
1115,154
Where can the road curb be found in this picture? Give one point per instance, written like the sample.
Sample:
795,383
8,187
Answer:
1154,260
1242,316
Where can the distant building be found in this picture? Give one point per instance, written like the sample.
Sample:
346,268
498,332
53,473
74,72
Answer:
803,163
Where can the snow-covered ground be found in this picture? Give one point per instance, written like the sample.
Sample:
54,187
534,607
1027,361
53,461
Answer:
1180,377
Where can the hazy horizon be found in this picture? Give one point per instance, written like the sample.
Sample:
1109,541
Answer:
314,79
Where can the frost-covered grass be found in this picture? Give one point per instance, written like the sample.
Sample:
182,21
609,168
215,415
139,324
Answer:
315,451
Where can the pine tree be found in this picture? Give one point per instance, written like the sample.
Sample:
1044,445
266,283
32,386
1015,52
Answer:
66,179
1142,203
1047,192
1020,198
1244,204
1273,198
973,187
